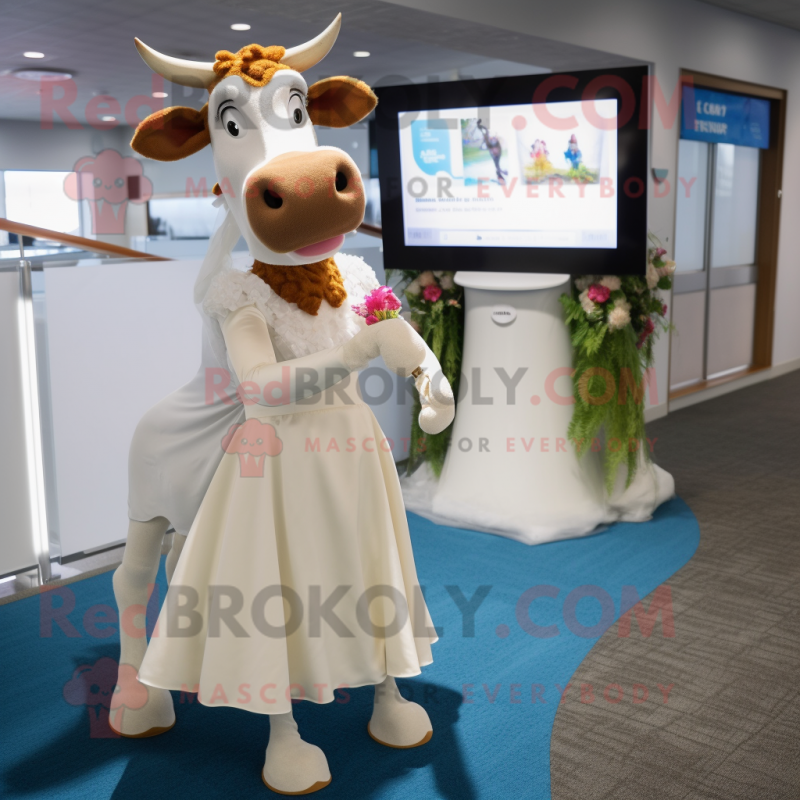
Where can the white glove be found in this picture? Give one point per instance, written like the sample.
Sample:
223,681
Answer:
436,395
401,346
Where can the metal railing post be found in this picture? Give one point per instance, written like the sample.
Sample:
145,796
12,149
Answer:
32,421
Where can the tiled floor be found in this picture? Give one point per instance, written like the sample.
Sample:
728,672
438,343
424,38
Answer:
729,729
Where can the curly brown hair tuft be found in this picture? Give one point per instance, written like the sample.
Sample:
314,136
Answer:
307,284
254,64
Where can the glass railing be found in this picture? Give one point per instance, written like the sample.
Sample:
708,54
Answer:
55,246
44,242
49,323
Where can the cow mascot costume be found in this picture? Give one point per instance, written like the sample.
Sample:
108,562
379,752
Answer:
292,572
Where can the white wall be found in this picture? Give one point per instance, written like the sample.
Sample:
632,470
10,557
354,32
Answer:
675,34
25,145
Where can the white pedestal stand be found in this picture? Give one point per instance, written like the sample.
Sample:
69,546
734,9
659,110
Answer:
510,469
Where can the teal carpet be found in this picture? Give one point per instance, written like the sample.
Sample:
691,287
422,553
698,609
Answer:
492,691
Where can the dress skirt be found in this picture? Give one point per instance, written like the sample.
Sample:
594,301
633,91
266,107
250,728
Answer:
297,577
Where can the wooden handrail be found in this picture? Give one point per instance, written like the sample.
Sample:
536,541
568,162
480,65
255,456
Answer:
92,245
371,230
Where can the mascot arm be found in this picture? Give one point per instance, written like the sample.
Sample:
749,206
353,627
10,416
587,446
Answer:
253,357
435,394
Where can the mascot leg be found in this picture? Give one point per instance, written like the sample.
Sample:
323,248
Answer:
178,541
397,722
133,717
292,766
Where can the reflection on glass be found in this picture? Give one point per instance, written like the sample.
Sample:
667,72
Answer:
735,206
690,211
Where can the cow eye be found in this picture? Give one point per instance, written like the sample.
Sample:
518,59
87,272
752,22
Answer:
119,183
98,181
233,122
296,109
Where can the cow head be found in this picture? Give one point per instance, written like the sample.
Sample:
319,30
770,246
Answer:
292,199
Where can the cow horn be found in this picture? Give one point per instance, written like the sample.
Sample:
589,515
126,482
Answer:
178,70
305,56
201,74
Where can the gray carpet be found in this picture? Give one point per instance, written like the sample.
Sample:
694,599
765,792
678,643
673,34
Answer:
731,726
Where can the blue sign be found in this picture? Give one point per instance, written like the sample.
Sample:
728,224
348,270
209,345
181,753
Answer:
710,116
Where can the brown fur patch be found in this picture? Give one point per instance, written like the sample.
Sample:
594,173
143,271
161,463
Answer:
339,102
254,64
307,285
172,133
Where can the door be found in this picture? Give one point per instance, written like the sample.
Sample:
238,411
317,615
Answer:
716,229
727,194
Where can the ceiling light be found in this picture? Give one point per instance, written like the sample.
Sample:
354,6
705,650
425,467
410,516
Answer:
240,26
108,118
33,54
361,54
42,75
160,94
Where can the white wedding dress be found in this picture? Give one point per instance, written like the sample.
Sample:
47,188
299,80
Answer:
305,505
175,448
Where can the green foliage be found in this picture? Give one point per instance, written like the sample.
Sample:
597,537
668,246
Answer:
605,362
440,322
612,345
610,360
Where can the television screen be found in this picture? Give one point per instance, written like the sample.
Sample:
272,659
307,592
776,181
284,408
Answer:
544,173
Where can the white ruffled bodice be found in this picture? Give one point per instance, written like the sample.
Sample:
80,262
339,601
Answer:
294,333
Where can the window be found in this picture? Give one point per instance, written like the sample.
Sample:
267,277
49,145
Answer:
38,198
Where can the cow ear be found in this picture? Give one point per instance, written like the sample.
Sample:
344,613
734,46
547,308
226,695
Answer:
339,102
172,134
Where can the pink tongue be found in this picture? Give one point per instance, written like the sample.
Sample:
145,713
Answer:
334,243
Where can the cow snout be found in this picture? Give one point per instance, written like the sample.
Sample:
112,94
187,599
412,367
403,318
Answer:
299,199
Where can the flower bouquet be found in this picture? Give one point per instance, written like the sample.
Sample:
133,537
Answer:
380,303
437,314
613,322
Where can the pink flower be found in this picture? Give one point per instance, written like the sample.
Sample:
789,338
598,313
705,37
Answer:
598,293
664,310
432,293
379,304
381,299
660,251
649,327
